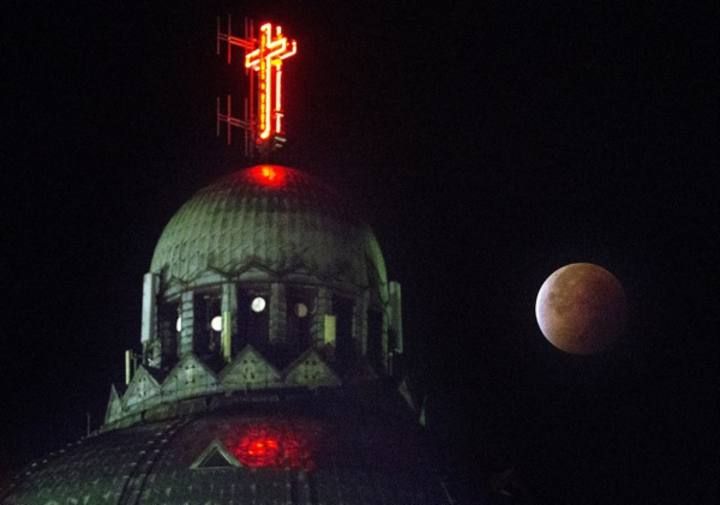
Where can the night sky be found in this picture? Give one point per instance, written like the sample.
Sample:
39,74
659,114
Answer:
488,144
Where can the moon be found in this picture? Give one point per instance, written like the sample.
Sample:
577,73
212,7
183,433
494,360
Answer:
581,308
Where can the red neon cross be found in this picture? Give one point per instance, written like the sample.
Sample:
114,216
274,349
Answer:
266,60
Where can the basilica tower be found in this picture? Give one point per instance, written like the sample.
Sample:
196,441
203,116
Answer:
265,280
269,357
271,340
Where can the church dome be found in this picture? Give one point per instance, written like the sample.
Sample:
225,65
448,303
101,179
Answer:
320,449
273,219
269,331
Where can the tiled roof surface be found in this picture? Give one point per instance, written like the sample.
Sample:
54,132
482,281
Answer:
298,225
327,450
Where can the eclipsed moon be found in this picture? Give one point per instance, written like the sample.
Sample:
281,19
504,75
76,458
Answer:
581,308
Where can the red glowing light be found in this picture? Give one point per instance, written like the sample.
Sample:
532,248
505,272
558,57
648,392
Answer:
258,450
268,175
266,60
266,446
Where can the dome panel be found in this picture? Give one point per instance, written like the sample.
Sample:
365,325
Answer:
274,218
339,449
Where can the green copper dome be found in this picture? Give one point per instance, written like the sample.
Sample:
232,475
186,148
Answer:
274,219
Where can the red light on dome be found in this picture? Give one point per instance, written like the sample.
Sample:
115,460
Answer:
258,450
266,446
268,175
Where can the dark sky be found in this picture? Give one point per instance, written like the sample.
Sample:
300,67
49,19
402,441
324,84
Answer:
488,144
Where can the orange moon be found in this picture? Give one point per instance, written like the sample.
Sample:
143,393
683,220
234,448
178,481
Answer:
581,308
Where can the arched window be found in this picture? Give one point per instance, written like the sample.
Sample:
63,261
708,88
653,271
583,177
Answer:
300,308
168,331
206,332
252,317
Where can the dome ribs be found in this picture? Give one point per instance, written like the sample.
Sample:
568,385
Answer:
235,219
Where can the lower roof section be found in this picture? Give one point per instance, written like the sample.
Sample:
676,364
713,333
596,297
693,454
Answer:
349,447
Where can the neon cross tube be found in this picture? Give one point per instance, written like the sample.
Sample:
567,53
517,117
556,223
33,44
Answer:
267,60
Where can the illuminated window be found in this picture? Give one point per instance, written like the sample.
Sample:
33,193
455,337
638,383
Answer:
301,310
206,340
300,306
252,319
258,304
